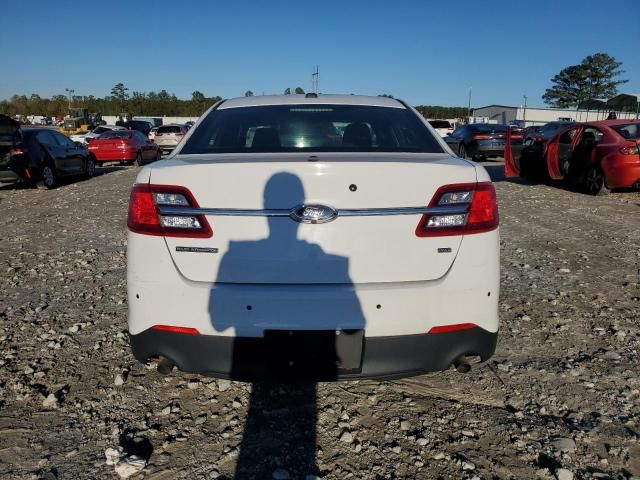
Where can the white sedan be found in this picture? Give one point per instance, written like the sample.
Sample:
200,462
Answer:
315,237
86,137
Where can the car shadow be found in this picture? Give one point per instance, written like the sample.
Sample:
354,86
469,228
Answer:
287,336
496,173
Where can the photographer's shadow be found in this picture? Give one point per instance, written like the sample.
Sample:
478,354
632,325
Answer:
296,320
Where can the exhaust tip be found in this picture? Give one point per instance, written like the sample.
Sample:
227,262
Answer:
462,364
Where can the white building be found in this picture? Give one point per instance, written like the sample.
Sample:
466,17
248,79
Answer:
538,116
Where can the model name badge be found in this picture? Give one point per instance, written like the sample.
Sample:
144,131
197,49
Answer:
196,249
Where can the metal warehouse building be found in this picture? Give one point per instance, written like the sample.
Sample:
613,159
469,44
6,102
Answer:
537,116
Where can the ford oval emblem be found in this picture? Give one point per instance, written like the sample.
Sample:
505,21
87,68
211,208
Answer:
313,213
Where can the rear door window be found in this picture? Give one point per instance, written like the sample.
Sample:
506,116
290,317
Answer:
169,129
629,131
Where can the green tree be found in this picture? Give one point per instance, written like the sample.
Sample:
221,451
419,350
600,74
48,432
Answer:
287,91
387,95
594,77
198,96
248,93
119,92
299,91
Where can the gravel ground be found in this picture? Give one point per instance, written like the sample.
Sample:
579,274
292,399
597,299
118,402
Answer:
560,399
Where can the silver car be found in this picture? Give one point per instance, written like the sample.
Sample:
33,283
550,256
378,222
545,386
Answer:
168,136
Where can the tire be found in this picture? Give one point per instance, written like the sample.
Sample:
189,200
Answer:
158,155
49,176
139,159
462,151
594,181
90,167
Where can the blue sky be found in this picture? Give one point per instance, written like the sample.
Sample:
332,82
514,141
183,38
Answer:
423,52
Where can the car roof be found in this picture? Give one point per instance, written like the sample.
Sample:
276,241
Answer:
303,99
610,123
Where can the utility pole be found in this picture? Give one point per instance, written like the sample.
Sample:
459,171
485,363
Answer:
469,104
524,113
315,77
70,92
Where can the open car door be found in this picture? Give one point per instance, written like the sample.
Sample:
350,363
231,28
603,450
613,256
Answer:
512,155
560,151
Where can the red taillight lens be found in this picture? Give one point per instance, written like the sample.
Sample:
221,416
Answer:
19,151
452,328
481,137
172,329
145,217
481,214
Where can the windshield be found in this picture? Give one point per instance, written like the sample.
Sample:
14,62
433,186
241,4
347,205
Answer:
630,131
440,124
311,128
489,127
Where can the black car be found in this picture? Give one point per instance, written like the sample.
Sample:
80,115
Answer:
40,154
546,132
139,125
480,140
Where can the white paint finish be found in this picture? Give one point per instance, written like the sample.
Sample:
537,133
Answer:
166,297
346,250
302,99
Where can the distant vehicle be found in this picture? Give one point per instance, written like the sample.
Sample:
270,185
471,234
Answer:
547,131
480,140
152,133
189,124
124,146
139,125
597,156
443,127
40,154
86,137
313,237
168,136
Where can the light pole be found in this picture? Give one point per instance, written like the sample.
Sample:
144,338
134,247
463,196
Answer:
469,104
524,112
70,92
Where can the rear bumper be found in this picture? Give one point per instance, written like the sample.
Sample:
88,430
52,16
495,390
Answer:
623,175
248,358
114,156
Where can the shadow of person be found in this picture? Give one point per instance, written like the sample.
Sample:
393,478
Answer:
296,320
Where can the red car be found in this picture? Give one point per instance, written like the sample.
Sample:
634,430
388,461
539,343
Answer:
598,156
124,146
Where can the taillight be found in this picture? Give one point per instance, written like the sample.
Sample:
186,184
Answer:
480,214
145,217
18,151
481,137
630,150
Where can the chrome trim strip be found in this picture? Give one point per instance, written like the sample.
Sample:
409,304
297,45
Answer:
363,212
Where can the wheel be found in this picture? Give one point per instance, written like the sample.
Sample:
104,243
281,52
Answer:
139,158
595,182
158,155
49,176
90,168
462,151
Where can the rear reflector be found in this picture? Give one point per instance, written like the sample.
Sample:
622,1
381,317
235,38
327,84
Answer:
481,215
452,328
144,215
172,329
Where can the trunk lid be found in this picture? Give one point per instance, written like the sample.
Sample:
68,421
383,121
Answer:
350,249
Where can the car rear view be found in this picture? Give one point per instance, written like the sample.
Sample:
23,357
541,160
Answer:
313,237
168,136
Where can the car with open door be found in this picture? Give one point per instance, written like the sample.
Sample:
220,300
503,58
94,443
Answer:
319,237
596,156
44,155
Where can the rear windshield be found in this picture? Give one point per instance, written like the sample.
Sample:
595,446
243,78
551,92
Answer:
169,129
489,127
101,130
311,128
115,134
630,131
440,124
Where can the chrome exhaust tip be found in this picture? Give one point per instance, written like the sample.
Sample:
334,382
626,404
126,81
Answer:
462,364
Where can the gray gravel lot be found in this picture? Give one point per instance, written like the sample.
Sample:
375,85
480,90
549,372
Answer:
560,399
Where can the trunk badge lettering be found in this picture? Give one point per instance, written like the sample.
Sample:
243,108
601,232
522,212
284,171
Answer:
313,213
196,249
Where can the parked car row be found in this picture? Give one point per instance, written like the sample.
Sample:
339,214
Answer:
481,140
596,156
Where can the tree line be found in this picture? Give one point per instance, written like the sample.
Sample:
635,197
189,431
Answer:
152,103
